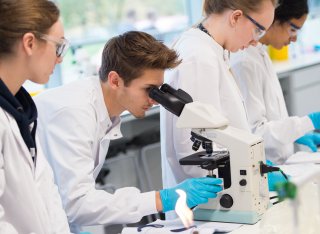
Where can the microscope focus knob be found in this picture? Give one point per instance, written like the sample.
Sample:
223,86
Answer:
226,201
243,182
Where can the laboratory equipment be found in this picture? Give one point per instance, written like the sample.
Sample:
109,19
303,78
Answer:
236,154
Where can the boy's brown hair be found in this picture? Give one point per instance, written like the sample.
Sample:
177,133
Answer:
131,53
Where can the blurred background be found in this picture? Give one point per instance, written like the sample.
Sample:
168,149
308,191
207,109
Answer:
89,24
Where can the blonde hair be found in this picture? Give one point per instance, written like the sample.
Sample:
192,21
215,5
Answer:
219,6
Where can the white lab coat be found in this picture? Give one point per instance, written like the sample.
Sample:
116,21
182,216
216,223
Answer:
76,130
267,112
205,75
29,199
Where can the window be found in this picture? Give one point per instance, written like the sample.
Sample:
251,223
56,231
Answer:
89,24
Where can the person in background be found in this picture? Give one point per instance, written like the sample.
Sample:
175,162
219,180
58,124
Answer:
204,73
31,44
78,121
260,87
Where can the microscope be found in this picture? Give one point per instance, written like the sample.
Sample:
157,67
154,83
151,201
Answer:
229,153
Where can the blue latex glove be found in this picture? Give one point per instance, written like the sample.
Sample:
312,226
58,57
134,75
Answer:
274,177
269,163
315,118
312,140
198,191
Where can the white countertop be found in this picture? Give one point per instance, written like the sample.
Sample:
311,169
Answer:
303,61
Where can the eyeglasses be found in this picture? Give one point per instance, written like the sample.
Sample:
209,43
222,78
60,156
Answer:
62,44
294,29
259,31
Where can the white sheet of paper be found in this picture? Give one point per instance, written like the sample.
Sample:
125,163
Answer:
296,170
202,227
304,157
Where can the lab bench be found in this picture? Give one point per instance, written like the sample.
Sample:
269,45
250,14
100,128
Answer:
295,215
300,82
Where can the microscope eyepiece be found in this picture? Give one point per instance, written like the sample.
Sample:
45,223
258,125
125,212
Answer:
169,101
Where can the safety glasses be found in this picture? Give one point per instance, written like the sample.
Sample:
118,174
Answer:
259,31
62,44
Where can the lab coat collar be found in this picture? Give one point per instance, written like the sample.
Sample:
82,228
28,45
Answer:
114,132
113,125
23,110
102,112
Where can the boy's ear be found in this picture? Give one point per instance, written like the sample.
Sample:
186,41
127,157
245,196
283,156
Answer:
114,80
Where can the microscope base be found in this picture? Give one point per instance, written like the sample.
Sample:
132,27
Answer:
227,216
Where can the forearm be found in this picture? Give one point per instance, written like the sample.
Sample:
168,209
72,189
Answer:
283,131
97,207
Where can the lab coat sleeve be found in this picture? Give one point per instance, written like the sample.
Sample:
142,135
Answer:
250,78
5,227
206,91
69,140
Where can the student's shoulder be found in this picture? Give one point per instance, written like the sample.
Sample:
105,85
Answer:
69,94
193,38
194,46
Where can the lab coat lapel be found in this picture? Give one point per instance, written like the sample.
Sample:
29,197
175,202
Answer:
113,132
281,107
103,150
25,151
102,147
106,130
